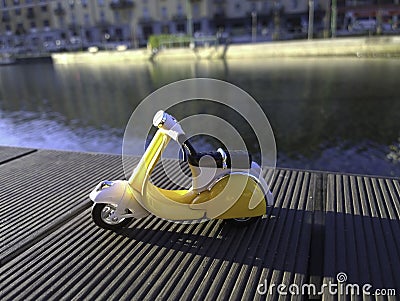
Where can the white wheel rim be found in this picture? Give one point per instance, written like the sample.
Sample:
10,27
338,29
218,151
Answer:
107,215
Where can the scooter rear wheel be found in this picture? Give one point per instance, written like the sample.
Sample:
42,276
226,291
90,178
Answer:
242,222
102,217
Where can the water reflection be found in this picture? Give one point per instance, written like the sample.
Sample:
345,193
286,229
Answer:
327,114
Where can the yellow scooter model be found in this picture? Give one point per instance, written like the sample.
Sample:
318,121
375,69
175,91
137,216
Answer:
225,185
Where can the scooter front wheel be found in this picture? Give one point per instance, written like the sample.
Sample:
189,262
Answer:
103,216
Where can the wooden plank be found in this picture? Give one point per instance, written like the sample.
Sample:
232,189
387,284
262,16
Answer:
9,153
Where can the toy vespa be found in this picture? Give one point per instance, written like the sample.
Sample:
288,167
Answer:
225,185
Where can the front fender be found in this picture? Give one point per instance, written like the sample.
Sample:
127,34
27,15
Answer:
121,194
110,192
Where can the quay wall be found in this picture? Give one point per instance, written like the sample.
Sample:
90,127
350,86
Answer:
388,46
368,46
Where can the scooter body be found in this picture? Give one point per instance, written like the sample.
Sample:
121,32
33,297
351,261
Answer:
224,186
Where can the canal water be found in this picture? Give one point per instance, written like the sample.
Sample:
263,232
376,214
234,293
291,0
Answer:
331,114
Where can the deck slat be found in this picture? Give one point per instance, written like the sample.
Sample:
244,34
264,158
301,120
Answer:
8,153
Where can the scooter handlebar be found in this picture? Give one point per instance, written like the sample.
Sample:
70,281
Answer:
164,121
167,122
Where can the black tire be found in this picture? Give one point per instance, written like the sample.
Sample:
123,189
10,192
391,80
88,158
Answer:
100,214
242,222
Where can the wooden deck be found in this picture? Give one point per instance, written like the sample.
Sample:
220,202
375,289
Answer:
321,224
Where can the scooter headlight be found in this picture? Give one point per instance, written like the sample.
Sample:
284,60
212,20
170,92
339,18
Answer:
164,120
104,185
160,118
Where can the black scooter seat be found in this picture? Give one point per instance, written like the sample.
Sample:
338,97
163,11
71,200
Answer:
235,159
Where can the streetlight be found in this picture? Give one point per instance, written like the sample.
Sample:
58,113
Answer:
277,21
254,26
310,19
189,18
334,18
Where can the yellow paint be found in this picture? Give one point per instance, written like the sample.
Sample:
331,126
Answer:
241,206
149,160
228,198
171,206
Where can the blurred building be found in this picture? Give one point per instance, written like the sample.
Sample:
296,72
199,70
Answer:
50,24
56,25
21,20
272,18
171,17
373,16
